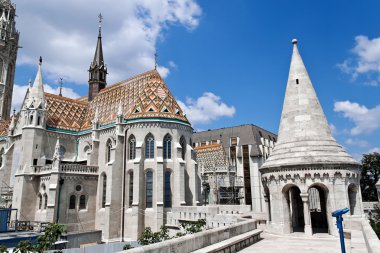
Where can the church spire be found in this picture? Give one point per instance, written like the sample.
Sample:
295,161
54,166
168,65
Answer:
98,70
37,94
304,135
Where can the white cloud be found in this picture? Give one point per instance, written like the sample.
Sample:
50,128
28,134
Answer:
366,60
20,91
333,129
65,34
358,143
206,109
376,149
366,120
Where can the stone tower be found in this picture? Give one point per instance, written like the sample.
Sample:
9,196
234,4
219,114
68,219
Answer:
98,70
8,54
308,175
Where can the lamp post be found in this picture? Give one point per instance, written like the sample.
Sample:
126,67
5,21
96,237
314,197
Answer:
339,223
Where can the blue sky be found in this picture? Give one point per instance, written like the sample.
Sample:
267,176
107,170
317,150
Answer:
226,61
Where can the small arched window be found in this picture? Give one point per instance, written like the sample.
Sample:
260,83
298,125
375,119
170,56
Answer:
168,191
167,147
104,193
82,202
132,147
39,201
149,189
31,120
130,200
38,120
72,202
46,201
149,147
182,142
108,150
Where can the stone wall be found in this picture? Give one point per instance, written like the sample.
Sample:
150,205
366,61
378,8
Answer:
199,240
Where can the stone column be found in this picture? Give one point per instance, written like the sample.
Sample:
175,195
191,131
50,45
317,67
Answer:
306,213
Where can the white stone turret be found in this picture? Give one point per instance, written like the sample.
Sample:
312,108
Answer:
35,102
304,136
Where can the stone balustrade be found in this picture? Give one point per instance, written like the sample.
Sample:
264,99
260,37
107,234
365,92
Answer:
78,169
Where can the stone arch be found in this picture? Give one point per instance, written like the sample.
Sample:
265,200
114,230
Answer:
353,199
319,207
293,215
267,201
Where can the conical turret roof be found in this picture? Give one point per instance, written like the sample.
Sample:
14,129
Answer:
304,136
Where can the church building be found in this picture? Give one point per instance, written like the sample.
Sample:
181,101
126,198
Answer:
117,160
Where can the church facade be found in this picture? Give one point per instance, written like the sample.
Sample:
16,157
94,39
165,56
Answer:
117,160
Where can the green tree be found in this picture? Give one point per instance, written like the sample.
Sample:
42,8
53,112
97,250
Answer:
45,242
370,174
127,246
194,227
3,249
375,220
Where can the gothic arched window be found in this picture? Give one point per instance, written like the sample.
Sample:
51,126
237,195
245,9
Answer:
39,201
82,202
149,189
182,142
104,193
130,200
72,202
168,191
167,147
132,147
46,201
149,147
108,150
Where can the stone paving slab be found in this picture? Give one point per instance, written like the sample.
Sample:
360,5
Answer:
296,244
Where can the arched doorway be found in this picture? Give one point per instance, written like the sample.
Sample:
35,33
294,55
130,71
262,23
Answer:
318,209
353,199
267,201
293,209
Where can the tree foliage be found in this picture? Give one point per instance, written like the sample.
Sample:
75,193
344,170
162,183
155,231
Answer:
3,249
375,220
45,242
370,174
127,246
194,227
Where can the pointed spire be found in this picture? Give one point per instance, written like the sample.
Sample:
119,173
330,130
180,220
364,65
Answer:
98,57
57,150
304,135
120,109
12,125
37,93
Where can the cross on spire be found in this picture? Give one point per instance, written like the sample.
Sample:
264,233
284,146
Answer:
60,86
100,16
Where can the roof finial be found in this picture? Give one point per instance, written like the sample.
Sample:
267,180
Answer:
100,24
40,61
60,86
155,60
14,111
294,41
30,82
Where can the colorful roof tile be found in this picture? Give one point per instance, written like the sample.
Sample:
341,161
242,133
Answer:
212,157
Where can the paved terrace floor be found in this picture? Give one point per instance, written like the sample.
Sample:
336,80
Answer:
297,243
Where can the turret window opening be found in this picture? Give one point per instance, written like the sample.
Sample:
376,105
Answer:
132,147
104,193
38,120
1,157
31,120
72,202
167,147
149,147
297,82
149,189
182,142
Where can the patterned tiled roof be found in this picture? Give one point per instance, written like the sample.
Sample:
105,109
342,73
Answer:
65,113
142,96
211,157
4,124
